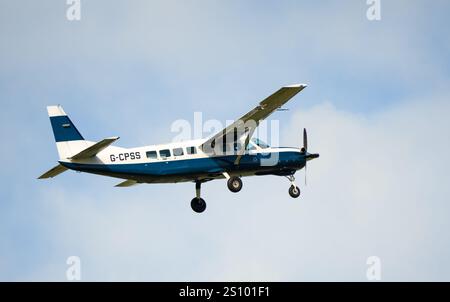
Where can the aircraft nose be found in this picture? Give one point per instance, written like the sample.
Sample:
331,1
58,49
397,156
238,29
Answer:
310,156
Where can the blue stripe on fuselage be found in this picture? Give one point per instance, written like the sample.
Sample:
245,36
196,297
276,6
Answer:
195,166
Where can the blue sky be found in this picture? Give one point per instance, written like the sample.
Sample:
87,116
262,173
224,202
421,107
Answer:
376,109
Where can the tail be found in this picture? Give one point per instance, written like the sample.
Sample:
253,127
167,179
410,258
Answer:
69,140
70,143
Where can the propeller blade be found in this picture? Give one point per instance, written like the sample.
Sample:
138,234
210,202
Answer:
305,140
305,172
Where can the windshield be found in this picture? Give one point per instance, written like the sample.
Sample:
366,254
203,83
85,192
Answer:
260,143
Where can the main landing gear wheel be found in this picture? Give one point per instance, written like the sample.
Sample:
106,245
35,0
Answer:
234,184
294,191
198,205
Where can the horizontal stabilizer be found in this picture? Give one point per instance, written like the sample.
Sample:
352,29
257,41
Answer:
127,183
94,149
53,172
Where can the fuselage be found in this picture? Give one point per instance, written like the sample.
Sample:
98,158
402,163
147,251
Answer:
185,161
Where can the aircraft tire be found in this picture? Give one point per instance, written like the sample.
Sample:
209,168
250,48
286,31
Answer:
234,184
294,191
198,205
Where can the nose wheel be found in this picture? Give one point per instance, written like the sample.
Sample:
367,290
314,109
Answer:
294,191
198,204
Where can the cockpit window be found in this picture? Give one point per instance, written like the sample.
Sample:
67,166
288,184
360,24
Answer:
250,146
260,143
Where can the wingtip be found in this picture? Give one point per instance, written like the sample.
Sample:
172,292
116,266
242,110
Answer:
302,85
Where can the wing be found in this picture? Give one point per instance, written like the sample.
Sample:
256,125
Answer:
242,130
53,172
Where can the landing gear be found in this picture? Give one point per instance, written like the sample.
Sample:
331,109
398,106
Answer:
294,191
198,204
234,184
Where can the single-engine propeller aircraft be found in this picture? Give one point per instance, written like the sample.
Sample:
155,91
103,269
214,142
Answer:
231,154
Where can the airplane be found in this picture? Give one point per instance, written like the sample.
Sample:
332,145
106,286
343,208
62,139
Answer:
230,154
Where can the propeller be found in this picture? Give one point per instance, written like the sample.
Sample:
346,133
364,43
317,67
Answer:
305,148
305,140
308,156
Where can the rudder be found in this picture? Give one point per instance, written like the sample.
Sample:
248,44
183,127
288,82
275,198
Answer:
63,128
69,140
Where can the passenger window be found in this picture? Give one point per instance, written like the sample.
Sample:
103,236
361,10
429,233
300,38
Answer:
164,153
151,154
178,152
191,150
